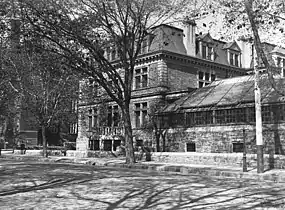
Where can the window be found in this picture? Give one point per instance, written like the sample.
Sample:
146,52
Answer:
190,147
251,114
92,89
204,51
205,78
229,115
234,59
213,77
116,116
266,113
220,116
107,145
207,52
177,119
113,116
201,84
241,115
231,58
278,61
144,46
237,147
94,144
203,118
201,75
109,116
190,118
144,114
141,78
163,121
90,119
95,117
140,114
72,128
73,107
210,53
281,110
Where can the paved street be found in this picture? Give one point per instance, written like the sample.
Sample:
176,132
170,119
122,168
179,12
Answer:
34,185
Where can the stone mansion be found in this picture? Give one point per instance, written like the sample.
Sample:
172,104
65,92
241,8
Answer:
204,88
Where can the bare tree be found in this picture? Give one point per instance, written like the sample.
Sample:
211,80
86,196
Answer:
82,30
49,90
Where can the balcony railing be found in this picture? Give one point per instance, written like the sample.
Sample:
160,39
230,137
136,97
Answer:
108,131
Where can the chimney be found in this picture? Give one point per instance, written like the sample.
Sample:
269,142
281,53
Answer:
190,37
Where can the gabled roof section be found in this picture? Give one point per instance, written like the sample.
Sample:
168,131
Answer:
205,38
232,46
236,92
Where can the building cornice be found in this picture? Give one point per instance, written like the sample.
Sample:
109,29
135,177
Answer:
184,59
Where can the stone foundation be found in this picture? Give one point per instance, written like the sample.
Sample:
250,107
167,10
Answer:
220,139
226,159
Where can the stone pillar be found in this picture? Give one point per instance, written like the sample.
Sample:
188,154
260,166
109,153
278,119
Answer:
82,140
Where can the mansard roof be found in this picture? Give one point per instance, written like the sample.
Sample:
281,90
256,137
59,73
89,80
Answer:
233,92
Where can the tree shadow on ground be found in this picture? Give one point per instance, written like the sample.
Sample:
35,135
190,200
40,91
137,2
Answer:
138,190
153,196
47,185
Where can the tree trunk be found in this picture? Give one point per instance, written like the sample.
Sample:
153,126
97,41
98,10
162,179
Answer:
45,154
130,156
258,46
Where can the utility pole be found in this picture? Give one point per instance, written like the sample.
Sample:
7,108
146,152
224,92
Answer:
258,118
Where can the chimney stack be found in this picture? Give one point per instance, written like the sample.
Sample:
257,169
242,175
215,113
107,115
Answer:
190,37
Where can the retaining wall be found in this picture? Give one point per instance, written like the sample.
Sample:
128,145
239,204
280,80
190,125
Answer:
219,159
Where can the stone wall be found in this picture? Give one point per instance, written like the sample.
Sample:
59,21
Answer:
220,139
181,77
40,152
218,159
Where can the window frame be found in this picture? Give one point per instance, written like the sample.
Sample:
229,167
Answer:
203,79
234,58
141,114
141,78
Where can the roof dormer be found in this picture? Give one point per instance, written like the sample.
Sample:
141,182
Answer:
206,38
233,53
206,47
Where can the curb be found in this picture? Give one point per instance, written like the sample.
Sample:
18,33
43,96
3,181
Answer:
177,169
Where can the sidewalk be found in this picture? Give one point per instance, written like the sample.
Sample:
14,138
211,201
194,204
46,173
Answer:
276,175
